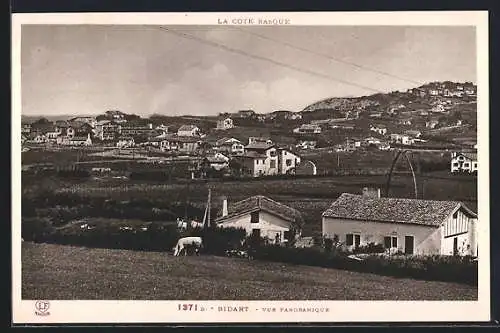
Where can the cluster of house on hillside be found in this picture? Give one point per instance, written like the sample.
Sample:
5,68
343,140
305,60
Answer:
407,226
445,90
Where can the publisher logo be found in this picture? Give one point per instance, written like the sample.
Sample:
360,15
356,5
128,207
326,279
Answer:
42,308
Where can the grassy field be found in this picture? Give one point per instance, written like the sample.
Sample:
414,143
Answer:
77,273
311,196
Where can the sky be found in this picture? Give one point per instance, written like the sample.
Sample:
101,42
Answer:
144,70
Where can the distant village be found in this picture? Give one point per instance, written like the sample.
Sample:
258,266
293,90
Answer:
438,116
403,120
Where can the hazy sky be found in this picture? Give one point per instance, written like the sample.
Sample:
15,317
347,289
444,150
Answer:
144,70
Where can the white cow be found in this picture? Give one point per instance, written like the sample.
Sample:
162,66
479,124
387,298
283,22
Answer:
184,242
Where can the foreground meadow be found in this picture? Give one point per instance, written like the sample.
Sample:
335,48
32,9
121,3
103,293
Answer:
78,273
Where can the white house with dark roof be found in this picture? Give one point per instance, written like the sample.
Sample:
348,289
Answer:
464,162
263,159
411,226
262,216
230,146
188,130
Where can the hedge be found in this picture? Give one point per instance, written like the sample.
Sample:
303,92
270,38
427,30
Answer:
162,237
158,236
440,268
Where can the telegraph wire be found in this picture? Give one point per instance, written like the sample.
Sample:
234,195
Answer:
327,56
258,57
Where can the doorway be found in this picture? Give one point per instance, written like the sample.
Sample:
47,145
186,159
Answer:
409,244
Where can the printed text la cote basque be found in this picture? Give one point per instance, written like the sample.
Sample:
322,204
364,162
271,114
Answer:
254,21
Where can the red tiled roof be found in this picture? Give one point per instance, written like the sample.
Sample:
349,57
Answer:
395,210
260,202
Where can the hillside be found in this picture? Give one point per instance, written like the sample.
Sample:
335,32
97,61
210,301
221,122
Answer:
383,101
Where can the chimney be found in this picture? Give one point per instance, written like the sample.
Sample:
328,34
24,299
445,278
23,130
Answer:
224,206
371,192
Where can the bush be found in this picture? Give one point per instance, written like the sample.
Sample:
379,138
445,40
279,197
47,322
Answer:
217,240
370,248
441,268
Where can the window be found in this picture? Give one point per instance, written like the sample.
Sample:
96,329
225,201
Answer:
455,164
273,164
272,153
254,217
288,162
349,239
390,241
455,215
256,232
335,238
466,164
287,234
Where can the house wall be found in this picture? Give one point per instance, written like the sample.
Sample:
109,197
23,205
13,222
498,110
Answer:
463,228
271,162
188,147
284,156
462,163
427,239
269,224
237,148
259,167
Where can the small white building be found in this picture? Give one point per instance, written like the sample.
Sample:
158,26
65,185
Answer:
464,162
188,130
380,129
306,145
258,139
80,140
224,124
125,142
431,123
413,133
410,226
230,145
401,139
40,138
218,161
307,129
262,217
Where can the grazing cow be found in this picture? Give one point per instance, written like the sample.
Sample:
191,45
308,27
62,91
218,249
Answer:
184,243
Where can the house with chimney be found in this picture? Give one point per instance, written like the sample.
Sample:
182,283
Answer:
409,226
263,217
